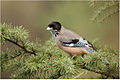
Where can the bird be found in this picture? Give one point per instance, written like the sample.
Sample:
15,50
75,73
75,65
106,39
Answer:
69,41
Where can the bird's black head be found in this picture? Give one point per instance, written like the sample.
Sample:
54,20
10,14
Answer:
54,26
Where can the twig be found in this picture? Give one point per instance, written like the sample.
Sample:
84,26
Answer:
99,72
16,56
79,75
31,52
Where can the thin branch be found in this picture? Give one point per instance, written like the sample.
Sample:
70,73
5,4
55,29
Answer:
79,75
31,52
16,56
99,72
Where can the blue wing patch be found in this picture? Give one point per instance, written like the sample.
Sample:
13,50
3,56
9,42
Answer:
78,44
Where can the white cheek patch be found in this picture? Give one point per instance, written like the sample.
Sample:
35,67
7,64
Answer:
48,28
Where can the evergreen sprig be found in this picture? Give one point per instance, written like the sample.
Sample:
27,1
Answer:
105,10
48,61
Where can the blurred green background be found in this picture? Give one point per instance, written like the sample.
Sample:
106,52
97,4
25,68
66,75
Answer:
74,15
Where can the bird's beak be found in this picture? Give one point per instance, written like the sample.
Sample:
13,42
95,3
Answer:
48,28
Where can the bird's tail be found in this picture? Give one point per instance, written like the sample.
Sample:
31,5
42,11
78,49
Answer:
106,62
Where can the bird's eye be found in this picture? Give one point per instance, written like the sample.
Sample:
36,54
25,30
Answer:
51,26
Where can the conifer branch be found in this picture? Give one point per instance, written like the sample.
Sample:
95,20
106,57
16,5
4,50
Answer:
59,65
23,47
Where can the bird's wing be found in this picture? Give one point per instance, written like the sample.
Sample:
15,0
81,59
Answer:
72,39
73,43
77,43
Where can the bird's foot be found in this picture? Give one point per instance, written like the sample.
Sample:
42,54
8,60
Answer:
74,57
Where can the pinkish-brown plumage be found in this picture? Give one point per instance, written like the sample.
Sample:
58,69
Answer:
69,39
70,50
70,42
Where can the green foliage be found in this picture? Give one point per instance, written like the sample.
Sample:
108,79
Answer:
15,34
50,62
104,9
